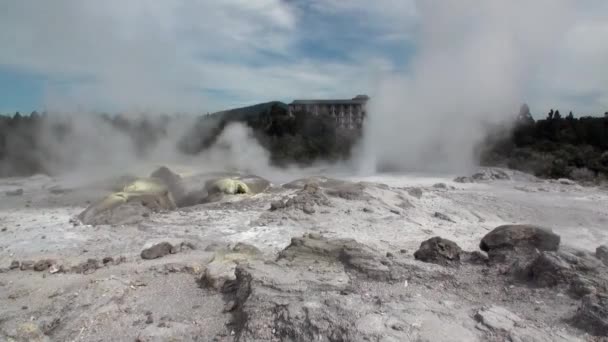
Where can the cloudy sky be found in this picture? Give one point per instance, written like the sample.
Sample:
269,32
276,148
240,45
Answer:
205,55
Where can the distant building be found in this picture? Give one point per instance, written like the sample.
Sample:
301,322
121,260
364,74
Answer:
349,114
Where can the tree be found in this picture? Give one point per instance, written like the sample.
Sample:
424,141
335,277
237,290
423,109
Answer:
557,115
524,116
570,116
550,115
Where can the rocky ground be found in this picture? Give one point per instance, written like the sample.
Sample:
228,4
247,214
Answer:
382,258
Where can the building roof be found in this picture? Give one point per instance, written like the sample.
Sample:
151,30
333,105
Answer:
359,99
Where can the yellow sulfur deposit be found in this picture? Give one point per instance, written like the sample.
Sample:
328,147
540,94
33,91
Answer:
229,186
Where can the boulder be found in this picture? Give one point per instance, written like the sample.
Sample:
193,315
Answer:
592,314
520,236
439,251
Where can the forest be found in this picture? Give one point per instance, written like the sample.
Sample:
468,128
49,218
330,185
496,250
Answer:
555,146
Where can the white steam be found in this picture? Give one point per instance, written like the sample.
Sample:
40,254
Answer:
473,63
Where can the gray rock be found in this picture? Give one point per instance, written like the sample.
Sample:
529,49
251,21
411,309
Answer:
14,264
475,257
497,318
27,265
276,205
440,186
156,250
484,175
566,181
581,286
582,273
86,267
307,198
17,192
349,191
592,314
352,254
490,174
503,325
43,265
510,237
602,253
443,217
548,269
160,247
438,251
220,272
463,179
308,208
415,192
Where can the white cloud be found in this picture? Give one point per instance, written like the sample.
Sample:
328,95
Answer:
162,54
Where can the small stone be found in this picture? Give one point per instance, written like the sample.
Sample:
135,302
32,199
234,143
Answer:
275,205
43,265
368,210
159,248
86,267
54,269
443,217
4,229
403,251
24,307
390,255
230,306
43,237
14,264
308,209
149,318
107,260
27,265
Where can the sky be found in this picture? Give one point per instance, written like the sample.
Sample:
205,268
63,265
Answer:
200,56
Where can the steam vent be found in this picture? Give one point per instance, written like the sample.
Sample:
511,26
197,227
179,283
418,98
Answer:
349,113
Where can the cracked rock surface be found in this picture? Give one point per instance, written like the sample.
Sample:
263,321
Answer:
317,259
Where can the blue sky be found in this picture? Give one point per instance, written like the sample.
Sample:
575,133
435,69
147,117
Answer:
206,55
